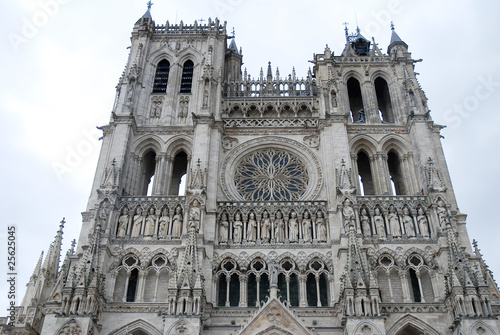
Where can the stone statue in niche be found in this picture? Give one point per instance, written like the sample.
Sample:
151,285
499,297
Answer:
378,219
194,215
423,223
137,224
205,98
408,223
149,226
104,214
177,223
307,227
265,229
156,104
293,227
279,225
442,213
237,228
223,228
320,227
393,221
163,223
334,99
365,223
273,272
251,228
348,214
361,116
123,223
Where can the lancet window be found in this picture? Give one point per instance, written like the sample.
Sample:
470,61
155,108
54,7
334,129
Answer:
317,284
179,170
148,170
355,100
384,100
126,280
288,282
161,77
395,173
257,282
367,186
228,284
411,282
187,77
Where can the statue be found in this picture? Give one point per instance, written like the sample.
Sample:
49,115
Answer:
273,275
265,229
177,222
378,219
223,228
293,226
123,223
237,229
423,223
320,227
137,224
149,226
104,214
393,220
442,213
194,215
348,214
408,223
307,227
365,223
361,116
251,228
164,222
279,225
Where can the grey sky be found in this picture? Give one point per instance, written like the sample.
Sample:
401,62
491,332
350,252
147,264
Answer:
61,63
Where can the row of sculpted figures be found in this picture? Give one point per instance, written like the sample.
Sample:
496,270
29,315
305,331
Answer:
393,221
164,223
272,226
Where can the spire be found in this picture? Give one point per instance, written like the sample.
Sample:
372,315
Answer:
395,40
269,72
51,263
232,46
147,15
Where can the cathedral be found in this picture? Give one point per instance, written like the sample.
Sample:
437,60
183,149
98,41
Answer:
224,203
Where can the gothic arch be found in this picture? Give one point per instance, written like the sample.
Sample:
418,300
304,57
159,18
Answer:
289,255
397,259
158,55
177,144
395,142
317,255
73,325
149,142
118,258
191,54
413,321
363,142
382,74
353,73
217,263
372,327
148,257
256,255
136,325
180,327
414,250
479,324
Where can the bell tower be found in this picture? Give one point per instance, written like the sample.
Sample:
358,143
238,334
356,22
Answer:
275,204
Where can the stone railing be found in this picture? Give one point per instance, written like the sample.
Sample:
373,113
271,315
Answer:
266,123
254,223
191,28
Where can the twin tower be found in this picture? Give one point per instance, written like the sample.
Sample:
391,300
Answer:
229,204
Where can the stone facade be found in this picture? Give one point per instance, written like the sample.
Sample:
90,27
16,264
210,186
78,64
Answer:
311,206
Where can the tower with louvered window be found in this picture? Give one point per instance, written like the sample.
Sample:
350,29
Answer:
226,203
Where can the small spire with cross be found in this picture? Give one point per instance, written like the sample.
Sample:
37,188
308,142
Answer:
149,4
201,20
392,26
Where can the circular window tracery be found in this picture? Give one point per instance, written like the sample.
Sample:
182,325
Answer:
271,175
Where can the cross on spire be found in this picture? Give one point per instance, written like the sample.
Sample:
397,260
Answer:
392,25
201,20
149,4
234,32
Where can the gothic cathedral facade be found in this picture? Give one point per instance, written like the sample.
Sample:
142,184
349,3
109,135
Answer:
227,204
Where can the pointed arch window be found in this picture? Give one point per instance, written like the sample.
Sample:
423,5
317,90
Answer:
187,77
161,77
355,100
132,285
384,100
179,170
148,171
396,175
365,174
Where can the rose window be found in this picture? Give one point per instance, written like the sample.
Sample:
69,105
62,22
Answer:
271,175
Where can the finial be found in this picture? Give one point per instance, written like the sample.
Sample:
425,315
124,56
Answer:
392,25
346,30
201,21
233,32
149,4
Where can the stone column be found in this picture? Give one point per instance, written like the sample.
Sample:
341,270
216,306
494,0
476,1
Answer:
302,290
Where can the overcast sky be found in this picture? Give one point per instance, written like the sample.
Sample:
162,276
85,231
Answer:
61,61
